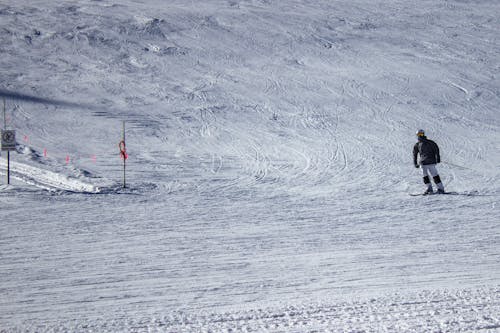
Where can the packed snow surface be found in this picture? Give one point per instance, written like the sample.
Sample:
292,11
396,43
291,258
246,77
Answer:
269,170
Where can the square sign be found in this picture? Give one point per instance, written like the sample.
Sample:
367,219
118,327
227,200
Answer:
8,140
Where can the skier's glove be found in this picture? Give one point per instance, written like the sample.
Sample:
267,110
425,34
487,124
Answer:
417,166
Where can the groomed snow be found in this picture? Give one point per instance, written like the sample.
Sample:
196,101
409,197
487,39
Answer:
269,166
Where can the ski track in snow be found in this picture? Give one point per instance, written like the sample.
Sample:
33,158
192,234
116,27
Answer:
269,172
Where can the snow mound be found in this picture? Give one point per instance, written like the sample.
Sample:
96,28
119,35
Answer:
46,179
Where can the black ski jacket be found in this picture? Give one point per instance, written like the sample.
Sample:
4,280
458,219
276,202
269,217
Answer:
428,151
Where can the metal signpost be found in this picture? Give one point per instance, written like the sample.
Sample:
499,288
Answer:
8,144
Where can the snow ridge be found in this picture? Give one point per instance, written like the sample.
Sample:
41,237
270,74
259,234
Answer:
46,179
442,310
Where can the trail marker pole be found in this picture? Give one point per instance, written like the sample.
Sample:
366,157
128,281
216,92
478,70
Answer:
123,154
124,157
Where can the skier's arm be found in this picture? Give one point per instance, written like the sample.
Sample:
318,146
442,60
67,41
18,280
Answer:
438,157
415,155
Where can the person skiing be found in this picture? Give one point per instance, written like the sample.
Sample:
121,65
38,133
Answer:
429,157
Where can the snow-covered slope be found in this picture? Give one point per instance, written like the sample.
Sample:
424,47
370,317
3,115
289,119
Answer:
269,165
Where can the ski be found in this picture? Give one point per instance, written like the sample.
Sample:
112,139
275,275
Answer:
421,194
466,194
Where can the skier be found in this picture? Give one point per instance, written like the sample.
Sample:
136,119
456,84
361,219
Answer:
429,157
